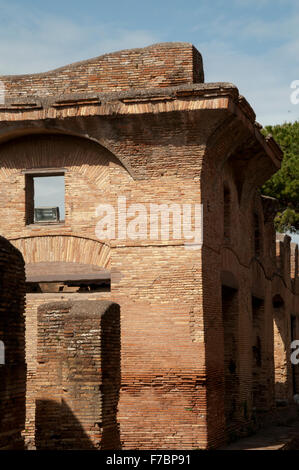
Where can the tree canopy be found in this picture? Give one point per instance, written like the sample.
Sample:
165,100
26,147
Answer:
284,185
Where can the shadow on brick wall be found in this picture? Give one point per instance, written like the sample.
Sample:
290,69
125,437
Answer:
12,336
59,428
111,377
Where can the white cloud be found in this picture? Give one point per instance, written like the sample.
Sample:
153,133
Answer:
258,79
34,41
258,54
262,73
262,3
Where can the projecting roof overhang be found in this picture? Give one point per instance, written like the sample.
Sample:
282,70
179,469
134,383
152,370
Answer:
38,114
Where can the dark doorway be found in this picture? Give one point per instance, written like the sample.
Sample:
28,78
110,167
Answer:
258,387
231,354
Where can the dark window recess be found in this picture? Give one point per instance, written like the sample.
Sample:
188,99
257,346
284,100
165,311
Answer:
277,302
68,286
46,214
257,352
257,236
226,213
257,329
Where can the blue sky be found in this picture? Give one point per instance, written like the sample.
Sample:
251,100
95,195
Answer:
251,43
49,191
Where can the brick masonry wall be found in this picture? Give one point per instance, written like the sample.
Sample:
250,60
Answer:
253,275
143,281
33,302
78,375
171,149
149,272
160,65
163,395
12,333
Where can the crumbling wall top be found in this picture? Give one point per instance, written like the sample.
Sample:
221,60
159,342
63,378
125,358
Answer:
287,257
160,65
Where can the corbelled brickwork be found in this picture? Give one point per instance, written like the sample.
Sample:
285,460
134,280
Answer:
204,333
12,337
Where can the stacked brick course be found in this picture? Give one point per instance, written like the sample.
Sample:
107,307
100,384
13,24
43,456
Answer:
78,375
161,65
184,383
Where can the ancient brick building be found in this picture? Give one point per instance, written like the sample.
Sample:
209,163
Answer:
201,349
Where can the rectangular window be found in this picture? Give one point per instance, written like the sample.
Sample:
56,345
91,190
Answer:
45,193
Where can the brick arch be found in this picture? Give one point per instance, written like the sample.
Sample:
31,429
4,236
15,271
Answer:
65,248
56,150
235,141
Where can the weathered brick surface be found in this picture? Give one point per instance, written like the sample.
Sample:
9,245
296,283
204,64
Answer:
78,375
33,302
13,372
161,65
202,344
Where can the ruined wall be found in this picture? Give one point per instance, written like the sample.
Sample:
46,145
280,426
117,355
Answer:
286,317
13,371
172,329
160,65
240,280
182,384
148,272
33,302
78,376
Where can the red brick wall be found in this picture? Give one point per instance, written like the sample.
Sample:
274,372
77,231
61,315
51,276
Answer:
160,65
13,372
183,147
149,273
33,302
78,375
163,393
255,274
87,184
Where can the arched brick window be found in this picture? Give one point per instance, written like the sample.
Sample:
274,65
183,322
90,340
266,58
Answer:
226,213
2,353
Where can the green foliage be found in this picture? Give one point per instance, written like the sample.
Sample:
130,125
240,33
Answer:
288,220
284,185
